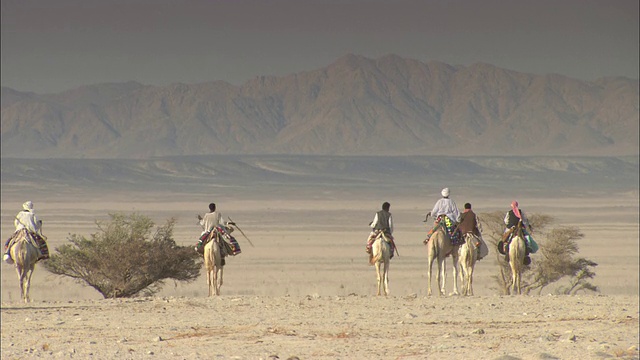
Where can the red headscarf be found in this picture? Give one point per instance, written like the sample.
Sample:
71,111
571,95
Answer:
516,211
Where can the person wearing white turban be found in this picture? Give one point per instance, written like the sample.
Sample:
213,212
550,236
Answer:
27,219
444,207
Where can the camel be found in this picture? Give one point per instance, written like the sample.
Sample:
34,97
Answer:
439,246
381,255
468,254
213,264
517,249
25,255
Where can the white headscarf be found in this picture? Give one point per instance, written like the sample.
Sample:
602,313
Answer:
445,192
28,206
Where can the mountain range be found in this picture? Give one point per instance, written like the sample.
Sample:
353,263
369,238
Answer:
354,106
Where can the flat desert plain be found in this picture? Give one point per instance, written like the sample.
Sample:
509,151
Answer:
306,291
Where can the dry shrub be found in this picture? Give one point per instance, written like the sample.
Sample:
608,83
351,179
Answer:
124,258
555,260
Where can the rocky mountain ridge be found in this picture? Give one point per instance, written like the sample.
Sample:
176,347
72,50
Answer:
354,106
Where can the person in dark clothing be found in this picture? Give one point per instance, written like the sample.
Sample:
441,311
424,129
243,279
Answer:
469,223
382,222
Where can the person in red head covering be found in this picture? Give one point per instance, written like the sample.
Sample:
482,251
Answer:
511,220
514,216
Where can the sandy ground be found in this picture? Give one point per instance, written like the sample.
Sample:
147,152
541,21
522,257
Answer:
305,290
326,327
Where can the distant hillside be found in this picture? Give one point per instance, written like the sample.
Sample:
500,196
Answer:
355,106
206,174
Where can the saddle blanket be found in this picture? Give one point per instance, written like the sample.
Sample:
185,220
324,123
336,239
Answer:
34,238
452,232
230,243
233,248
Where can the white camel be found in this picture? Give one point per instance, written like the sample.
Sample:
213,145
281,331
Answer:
381,255
439,246
213,264
25,255
468,254
517,249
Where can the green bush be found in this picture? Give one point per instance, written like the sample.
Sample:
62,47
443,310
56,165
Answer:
125,259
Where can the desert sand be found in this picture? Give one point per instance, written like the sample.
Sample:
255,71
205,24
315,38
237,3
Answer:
305,290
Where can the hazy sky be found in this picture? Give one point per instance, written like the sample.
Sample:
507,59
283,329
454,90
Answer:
55,45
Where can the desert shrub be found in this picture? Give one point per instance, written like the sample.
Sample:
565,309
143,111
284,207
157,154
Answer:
126,258
557,260
554,260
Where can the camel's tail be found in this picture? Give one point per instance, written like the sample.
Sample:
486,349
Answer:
376,249
465,259
518,253
471,252
375,259
519,256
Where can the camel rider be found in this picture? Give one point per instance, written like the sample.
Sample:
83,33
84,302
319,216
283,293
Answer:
27,220
511,220
445,210
469,223
212,221
382,222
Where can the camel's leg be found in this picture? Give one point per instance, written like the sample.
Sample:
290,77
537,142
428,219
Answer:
28,284
209,281
430,266
386,277
21,277
472,261
378,278
463,281
461,263
468,269
464,290
470,281
462,271
468,276
216,289
214,281
472,256
442,274
20,280
454,257
514,276
219,279
520,265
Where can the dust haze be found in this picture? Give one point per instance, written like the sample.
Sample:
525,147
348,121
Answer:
306,289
